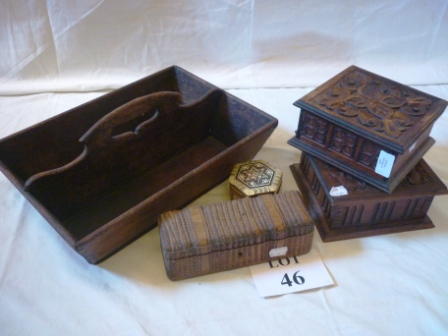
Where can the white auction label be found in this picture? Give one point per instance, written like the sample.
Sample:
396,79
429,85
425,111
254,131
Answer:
338,191
412,147
278,252
384,164
292,274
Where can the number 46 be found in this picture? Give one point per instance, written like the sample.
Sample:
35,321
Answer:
298,279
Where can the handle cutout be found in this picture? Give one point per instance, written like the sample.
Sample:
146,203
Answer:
134,125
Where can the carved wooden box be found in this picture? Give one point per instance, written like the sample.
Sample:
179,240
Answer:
368,126
365,210
222,236
103,172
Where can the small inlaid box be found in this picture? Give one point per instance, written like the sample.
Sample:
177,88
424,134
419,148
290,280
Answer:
368,126
364,210
222,236
254,178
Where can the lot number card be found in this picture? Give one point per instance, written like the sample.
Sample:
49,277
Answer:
289,275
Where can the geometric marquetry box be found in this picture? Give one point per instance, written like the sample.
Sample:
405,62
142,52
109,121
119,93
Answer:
254,178
368,126
364,210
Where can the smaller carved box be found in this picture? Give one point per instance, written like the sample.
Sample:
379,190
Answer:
368,126
254,178
222,236
364,210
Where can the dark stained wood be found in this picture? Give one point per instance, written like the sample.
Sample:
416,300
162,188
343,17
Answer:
365,211
350,119
101,173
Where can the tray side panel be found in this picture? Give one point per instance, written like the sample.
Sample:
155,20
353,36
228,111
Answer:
237,119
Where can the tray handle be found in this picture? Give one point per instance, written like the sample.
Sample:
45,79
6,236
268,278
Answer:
101,133
100,136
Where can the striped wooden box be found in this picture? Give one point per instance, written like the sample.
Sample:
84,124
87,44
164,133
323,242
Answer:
228,235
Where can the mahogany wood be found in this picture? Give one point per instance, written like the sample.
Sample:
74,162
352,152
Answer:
102,172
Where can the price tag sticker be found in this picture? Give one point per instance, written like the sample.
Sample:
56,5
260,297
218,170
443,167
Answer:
384,164
278,252
338,191
412,147
291,274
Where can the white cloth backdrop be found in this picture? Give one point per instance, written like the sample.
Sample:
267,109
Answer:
55,55
91,44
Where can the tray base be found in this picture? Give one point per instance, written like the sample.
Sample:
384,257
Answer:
329,234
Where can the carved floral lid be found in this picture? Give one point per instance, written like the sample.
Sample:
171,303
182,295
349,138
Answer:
374,107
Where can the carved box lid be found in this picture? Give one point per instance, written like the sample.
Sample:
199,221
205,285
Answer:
374,107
